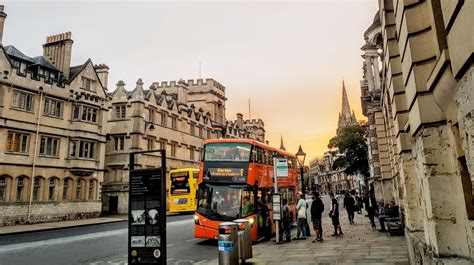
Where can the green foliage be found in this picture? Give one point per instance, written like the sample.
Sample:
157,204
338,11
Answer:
351,144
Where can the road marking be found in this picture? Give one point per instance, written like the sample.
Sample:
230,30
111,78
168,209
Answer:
169,259
63,240
192,239
169,245
181,222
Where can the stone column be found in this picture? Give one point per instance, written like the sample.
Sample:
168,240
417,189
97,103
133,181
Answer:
376,73
369,74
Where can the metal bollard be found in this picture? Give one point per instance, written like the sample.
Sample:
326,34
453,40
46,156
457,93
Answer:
245,239
228,244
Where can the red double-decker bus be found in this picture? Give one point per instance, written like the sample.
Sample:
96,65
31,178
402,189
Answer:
236,181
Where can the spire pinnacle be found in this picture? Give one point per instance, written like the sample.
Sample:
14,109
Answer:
282,146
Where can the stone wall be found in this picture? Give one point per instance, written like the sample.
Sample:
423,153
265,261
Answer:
17,213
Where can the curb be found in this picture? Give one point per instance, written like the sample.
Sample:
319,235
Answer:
59,228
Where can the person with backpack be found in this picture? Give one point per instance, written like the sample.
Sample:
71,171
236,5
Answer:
301,211
286,221
317,209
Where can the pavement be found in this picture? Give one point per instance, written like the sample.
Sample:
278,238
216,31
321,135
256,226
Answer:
359,245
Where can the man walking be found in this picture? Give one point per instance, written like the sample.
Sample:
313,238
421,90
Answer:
349,204
317,209
286,221
301,211
334,214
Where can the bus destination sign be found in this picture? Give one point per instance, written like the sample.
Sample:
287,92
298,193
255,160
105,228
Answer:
226,174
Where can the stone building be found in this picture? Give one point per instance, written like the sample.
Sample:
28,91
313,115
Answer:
418,92
176,116
53,141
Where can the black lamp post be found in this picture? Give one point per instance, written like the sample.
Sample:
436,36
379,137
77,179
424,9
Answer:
300,156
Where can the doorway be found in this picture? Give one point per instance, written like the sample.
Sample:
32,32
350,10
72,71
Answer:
113,204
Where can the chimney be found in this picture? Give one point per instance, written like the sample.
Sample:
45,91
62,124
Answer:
57,50
3,15
102,71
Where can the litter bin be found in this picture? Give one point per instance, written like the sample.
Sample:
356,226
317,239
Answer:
245,239
228,244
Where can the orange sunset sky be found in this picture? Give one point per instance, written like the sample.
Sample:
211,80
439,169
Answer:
288,58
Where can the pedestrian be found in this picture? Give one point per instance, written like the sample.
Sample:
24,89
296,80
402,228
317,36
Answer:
306,225
286,221
317,209
301,212
371,205
334,214
360,203
349,204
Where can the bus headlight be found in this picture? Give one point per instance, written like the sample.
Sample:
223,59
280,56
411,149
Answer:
196,219
251,221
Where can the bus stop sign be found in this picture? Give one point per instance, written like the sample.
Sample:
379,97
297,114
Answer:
281,165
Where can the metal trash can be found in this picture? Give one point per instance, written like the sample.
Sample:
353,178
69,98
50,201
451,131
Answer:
245,239
228,244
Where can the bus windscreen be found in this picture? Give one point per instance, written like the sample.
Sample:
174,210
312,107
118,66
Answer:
239,152
179,183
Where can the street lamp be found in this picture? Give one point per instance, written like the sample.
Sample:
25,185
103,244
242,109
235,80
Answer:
300,156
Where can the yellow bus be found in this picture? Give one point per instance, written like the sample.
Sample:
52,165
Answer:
182,190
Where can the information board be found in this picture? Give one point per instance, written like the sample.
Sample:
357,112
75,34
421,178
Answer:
147,217
277,206
281,167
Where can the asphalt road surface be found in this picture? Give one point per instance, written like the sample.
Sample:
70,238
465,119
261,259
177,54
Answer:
101,244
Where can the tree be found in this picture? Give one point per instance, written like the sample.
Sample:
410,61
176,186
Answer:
351,144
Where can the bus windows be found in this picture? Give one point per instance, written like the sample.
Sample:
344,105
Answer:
239,152
195,175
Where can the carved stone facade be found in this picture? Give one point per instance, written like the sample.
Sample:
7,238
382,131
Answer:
176,116
51,134
422,114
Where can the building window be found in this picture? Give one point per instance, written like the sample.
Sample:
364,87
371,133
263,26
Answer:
78,189
49,146
121,111
88,84
119,142
85,113
173,149
52,189
150,143
174,123
162,144
66,189
151,115
53,108
21,100
191,128
164,117
191,153
19,188
3,188
81,149
36,189
17,142
91,190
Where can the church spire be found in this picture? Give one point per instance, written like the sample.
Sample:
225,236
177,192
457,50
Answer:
346,116
346,108
282,146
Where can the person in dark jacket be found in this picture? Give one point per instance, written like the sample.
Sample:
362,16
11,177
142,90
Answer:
317,209
349,204
371,205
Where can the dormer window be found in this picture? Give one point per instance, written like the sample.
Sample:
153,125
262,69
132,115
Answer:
88,84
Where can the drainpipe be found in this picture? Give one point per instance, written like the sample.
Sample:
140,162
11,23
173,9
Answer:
35,149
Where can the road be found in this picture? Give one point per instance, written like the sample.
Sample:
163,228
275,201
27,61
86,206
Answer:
101,244
106,244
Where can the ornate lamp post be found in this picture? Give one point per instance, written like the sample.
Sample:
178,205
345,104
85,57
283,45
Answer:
300,156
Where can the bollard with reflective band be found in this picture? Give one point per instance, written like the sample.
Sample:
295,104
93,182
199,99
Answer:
245,239
227,244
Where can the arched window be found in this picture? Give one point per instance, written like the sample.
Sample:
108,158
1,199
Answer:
53,183
79,189
66,188
20,187
37,189
91,190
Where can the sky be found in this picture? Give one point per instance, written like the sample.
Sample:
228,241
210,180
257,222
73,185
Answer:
288,58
